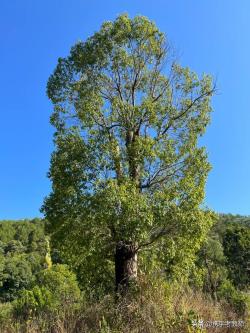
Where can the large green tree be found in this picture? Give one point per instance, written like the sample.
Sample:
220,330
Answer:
127,171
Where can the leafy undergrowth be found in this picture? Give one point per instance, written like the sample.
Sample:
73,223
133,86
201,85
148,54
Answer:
152,307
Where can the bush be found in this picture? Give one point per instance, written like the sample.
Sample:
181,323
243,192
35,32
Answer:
234,297
5,313
61,282
34,302
55,292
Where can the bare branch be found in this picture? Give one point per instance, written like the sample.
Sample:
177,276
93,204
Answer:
156,235
153,179
181,114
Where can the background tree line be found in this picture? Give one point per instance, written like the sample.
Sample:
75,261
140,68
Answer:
30,287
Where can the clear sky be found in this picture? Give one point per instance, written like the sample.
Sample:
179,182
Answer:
211,36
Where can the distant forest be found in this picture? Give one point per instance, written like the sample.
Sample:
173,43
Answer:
221,268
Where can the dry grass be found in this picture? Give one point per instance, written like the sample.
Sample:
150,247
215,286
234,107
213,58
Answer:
154,307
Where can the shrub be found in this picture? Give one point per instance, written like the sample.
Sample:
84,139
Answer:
34,302
55,292
234,297
5,313
61,282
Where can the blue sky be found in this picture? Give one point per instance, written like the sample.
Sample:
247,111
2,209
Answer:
210,36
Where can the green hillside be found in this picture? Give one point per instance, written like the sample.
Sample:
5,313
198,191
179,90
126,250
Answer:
31,290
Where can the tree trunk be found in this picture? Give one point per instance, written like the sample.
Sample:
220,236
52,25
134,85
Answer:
125,265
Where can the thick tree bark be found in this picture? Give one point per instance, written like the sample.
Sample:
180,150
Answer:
125,265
